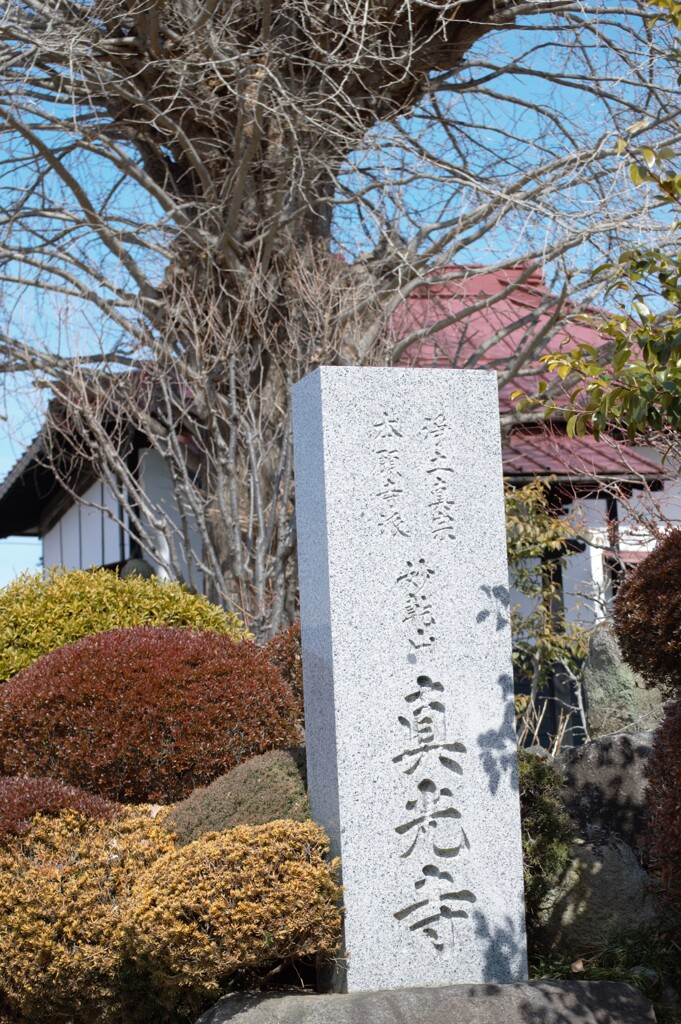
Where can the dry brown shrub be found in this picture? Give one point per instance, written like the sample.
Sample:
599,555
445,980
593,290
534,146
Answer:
235,902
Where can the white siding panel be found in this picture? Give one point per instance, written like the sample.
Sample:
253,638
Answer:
91,518
584,585
70,535
52,546
110,528
159,489
664,504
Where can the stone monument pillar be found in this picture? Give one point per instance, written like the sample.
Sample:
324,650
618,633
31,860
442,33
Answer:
407,670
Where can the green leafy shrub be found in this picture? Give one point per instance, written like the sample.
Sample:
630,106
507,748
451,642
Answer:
285,652
263,788
39,613
64,888
547,831
663,771
239,901
648,615
21,799
143,714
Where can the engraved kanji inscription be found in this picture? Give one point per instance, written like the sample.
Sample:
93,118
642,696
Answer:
437,906
389,476
434,826
440,473
435,427
418,606
387,425
426,728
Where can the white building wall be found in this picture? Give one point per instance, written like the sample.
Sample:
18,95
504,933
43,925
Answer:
86,534
70,538
52,546
93,527
664,504
158,488
111,529
585,585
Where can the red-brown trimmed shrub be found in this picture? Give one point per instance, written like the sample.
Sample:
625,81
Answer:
144,714
21,799
648,615
664,802
285,652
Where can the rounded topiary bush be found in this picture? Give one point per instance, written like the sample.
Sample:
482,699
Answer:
285,652
64,888
648,615
144,714
548,832
21,799
262,789
663,771
239,901
39,613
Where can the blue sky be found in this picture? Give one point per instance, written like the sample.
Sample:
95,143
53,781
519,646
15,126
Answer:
16,553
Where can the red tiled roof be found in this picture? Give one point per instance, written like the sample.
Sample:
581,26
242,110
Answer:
541,450
548,451
457,344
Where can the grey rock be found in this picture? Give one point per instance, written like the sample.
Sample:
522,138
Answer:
616,697
604,893
537,1002
604,785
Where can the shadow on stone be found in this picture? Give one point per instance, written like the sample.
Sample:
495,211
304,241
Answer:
604,785
539,1002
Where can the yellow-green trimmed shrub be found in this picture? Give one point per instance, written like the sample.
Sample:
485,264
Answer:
39,613
232,902
64,889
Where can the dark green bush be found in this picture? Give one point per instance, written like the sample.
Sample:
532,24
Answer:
264,788
547,831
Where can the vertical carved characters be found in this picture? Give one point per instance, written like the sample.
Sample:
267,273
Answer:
437,906
387,435
417,604
433,828
432,832
440,474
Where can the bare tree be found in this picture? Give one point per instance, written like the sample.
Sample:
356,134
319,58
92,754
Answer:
204,200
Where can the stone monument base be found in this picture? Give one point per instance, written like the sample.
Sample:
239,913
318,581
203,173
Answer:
527,1002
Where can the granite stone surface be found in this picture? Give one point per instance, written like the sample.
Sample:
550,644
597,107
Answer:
536,1002
407,670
